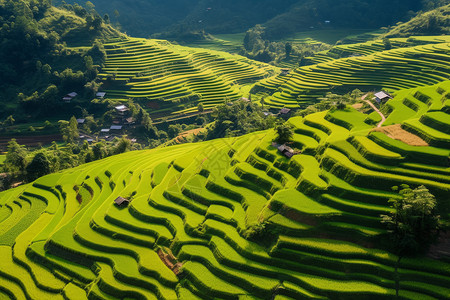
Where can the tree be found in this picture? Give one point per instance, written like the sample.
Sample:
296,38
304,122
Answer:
122,146
284,133
99,151
69,130
340,105
88,62
200,108
414,224
387,44
16,158
90,6
116,14
288,49
174,130
39,166
9,121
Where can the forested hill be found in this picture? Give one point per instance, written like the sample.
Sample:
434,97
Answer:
436,21
46,52
144,17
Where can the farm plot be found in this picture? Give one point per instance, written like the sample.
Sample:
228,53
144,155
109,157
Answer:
196,211
395,69
174,77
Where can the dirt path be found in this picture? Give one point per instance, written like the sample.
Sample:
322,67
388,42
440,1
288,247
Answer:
383,118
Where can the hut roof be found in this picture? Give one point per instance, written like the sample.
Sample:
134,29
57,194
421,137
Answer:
121,201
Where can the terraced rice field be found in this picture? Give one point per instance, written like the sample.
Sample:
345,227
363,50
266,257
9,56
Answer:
173,79
183,234
403,67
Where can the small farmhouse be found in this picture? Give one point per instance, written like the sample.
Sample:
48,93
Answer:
67,98
286,151
100,95
121,201
382,97
121,109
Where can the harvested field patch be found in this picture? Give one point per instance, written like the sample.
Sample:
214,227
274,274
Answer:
398,133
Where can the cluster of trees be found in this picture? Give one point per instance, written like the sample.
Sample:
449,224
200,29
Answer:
237,118
333,101
415,223
434,22
176,17
179,16
36,67
258,46
26,165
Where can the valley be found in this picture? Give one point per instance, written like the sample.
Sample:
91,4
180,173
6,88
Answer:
315,165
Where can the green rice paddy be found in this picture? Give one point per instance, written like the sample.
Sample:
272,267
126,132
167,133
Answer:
414,62
183,234
172,79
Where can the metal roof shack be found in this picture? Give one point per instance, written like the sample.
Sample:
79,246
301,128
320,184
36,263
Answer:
285,71
121,201
100,95
67,98
130,121
382,97
121,108
116,127
105,130
284,111
286,151
81,121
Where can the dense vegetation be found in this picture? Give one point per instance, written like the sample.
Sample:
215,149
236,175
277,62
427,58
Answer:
434,22
251,181
178,19
46,53
233,217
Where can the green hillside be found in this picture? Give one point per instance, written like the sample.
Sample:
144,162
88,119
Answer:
412,62
175,79
178,18
171,80
436,21
47,52
191,230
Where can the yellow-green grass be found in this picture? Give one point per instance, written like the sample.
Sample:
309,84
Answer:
393,69
414,103
373,46
202,200
177,77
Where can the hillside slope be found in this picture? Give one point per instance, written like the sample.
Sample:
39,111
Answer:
43,51
367,66
172,79
191,229
280,18
434,22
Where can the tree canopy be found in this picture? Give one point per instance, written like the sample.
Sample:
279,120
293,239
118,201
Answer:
414,225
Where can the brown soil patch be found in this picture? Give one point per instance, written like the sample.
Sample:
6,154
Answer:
398,133
31,140
186,133
170,261
358,105
153,105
